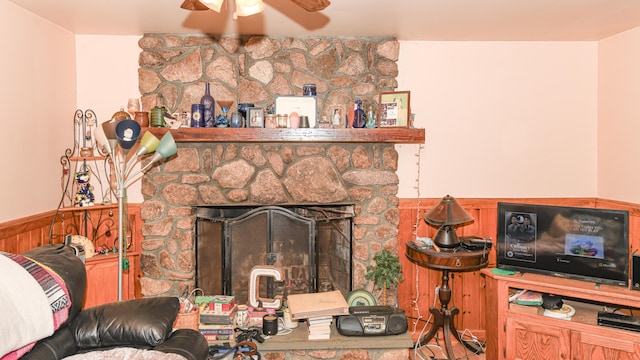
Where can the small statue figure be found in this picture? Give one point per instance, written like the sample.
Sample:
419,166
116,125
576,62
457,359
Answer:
84,195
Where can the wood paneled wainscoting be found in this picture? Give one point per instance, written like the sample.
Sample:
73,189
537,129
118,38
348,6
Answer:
415,295
417,292
26,233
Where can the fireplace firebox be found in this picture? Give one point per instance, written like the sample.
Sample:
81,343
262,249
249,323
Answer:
312,244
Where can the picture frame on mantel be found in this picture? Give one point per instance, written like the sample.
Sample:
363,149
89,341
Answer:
337,116
394,109
255,117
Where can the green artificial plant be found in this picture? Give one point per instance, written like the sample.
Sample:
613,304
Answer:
386,273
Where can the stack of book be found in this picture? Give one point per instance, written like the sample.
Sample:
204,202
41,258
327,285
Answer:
208,316
319,327
529,298
215,332
319,310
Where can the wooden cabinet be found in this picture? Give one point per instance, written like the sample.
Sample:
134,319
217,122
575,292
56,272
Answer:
102,279
534,340
516,334
589,346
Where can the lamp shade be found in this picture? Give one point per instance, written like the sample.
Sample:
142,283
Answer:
447,212
249,7
109,128
102,140
127,132
167,146
148,144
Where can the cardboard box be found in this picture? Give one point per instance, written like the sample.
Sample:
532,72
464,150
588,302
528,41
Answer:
222,303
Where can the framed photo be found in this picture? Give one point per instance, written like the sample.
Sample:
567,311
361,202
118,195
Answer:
337,115
255,117
394,109
303,105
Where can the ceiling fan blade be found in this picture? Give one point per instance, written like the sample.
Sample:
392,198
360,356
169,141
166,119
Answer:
193,5
312,5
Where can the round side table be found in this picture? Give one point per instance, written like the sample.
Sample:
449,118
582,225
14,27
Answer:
456,259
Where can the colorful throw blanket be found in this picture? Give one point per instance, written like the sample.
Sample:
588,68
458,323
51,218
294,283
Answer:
34,302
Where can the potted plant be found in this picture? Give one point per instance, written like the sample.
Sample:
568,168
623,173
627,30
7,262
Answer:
386,273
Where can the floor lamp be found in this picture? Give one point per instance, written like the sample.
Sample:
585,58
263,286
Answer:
117,140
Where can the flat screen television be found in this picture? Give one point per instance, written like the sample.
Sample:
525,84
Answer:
579,243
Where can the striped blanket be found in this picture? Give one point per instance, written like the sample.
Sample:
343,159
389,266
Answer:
33,299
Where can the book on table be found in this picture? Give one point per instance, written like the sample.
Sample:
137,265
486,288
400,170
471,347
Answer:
530,298
319,328
218,317
313,305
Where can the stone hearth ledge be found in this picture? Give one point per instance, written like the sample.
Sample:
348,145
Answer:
297,340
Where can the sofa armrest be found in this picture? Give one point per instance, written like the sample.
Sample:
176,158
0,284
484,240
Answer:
186,342
56,347
138,322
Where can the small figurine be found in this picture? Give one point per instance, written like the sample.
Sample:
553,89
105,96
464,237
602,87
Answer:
84,196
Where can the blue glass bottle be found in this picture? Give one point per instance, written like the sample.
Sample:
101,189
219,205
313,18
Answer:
208,104
359,119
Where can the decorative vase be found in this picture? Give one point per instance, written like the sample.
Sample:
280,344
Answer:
142,117
133,106
236,120
208,111
359,120
243,108
157,117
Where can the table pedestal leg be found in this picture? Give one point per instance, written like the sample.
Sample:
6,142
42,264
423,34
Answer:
443,318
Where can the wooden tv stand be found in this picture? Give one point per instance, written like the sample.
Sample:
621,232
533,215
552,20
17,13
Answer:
516,332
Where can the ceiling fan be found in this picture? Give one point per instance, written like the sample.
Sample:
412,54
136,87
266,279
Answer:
308,5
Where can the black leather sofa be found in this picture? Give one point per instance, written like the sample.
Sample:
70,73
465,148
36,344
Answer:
145,323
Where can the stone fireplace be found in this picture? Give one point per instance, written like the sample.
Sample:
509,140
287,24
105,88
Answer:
209,174
262,167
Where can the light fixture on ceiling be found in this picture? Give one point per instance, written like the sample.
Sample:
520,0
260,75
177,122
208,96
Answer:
250,7
214,5
447,214
243,7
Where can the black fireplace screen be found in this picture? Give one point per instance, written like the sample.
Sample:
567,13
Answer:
312,244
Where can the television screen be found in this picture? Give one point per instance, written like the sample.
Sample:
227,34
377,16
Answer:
580,243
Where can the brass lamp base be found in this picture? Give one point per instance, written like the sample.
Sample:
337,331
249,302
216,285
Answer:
446,237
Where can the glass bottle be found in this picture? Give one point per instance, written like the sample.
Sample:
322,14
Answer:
371,118
358,115
208,105
236,120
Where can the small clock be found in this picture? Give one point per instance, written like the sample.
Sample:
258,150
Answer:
89,248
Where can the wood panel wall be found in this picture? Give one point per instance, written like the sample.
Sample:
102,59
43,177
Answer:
20,235
417,293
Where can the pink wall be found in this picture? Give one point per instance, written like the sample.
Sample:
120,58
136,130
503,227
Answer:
37,98
527,110
503,119
619,117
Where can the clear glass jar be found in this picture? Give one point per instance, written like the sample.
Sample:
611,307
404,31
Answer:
270,121
283,120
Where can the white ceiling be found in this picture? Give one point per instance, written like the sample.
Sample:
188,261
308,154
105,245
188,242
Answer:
477,20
